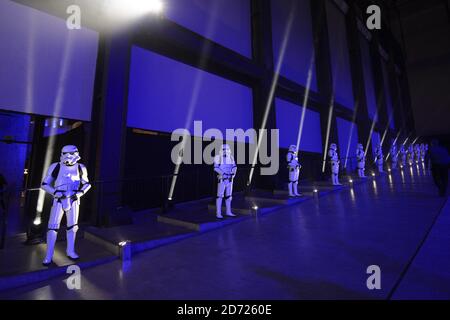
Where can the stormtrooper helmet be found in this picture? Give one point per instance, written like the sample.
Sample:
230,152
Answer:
333,146
293,148
70,155
359,146
226,150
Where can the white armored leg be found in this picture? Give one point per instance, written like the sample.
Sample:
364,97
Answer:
290,187
220,193
51,240
228,198
292,180
72,228
295,185
56,214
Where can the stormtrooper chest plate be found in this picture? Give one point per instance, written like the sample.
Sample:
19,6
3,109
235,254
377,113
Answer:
68,178
227,165
292,160
333,155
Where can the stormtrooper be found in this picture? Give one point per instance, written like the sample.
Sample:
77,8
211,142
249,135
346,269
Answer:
226,168
334,160
67,181
410,154
294,171
394,156
403,153
379,158
361,160
422,152
417,152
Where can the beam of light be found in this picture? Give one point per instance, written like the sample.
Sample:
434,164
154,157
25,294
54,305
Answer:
305,100
133,8
206,49
57,107
31,54
391,117
406,140
372,128
330,114
276,75
351,133
415,140
394,142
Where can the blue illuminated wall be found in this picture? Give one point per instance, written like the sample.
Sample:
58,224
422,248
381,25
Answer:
46,69
299,48
368,78
288,117
12,161
376,139
227,22
348,140
387,94
340,61
164,94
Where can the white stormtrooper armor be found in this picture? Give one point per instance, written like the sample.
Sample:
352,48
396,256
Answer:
417,152
379,158
361,160
67,181
294,171
422,152
334,160
403,153
226,168
394,156
410,154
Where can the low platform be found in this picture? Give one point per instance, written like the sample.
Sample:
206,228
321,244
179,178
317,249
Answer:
22,264
240,205
144,234
269,199
196,218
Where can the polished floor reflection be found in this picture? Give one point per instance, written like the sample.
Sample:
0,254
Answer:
319,249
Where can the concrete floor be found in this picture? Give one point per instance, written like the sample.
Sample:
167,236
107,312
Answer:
319,249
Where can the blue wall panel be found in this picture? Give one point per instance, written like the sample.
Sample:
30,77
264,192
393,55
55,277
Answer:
296,61
46,69
227,22
348,140
340,61
165,95
288,116
369,86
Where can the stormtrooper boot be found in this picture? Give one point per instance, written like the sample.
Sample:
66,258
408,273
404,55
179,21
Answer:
336,180
228,207
51,240
290,187
219,208
71,254
296,190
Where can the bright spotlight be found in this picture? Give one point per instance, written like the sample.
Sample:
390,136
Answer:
351,181
255,207
373,174
37,221
315,190
136,7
